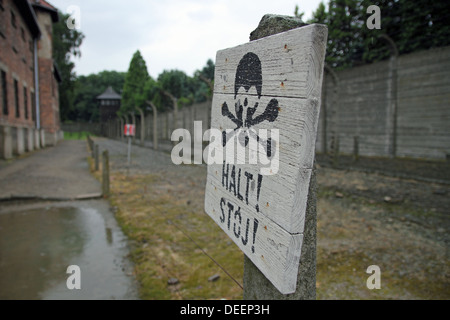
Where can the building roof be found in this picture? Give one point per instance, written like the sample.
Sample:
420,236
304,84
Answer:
44,5
109,94
29,16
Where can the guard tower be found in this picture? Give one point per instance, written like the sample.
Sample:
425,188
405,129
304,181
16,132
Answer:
109,104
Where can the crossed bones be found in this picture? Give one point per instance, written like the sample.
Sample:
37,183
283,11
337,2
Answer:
270,114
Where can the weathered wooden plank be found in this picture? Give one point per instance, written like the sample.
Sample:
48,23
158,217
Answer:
299,119
275,251
268,88
292,63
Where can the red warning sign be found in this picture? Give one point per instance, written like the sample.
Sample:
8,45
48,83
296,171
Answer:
129,130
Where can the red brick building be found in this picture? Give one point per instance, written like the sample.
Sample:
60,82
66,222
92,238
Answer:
29,102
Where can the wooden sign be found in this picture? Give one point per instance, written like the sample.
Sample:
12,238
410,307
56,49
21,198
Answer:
129,130
266,105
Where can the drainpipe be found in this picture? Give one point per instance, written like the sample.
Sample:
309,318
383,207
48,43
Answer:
36,84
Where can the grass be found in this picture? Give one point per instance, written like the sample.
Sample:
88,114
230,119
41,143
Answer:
77,135
169,233
162,215
158,223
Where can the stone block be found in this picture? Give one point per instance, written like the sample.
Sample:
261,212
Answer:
42,137
37,140
18,140
6,142
51,138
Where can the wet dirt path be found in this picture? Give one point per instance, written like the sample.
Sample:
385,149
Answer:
39,238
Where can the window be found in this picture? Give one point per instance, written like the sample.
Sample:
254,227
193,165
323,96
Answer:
4,93
13,19
16,97
53,86
2,18
33,106
22,32
25,101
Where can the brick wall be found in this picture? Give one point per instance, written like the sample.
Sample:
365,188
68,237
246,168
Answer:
16,64
48,93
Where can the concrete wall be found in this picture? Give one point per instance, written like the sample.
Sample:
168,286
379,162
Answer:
48,86
395,108
424,104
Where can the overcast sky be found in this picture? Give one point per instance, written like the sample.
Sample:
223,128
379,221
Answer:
171,34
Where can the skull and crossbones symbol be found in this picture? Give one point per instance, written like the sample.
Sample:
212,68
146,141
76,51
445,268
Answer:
248,79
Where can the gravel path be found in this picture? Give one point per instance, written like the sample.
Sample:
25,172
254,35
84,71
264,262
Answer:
40,239
49,173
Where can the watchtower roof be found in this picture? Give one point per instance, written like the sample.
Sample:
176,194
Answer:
109,94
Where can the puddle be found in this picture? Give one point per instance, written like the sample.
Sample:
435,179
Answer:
39,242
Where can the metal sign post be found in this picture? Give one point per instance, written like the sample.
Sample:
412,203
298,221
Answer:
129,131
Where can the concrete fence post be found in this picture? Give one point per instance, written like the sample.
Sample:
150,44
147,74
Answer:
355,148
335,150
175,112
105,174
392,106
121,125
96,157
142,137
330,128
155,125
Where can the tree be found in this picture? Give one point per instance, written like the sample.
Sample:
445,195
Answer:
412,25
320,15
345,44
205,82
208,70
297,13
174,84
133,88
87,88
66,45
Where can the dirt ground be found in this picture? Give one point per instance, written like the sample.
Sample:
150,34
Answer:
370,219
366,216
